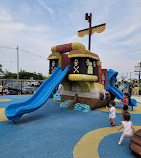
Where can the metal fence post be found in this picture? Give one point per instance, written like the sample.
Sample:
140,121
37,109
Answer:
21,87
2,87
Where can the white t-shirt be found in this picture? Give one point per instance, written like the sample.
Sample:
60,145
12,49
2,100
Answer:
60,87
127,126
112,113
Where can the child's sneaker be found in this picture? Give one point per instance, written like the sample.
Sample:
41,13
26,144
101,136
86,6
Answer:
112,125
119,143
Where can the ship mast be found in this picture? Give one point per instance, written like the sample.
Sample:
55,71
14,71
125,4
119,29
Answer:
89,31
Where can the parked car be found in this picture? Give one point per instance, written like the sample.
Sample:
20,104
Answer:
17,88
27,89
33,83
40,82
5,91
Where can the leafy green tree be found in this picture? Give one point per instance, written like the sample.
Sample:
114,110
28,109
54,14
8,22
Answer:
22,75
1,71
9,75
26,75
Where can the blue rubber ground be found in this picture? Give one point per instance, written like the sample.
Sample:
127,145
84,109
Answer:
109,148
52,132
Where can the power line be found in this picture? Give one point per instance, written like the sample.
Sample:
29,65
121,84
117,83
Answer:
8,61
26,63
26,51
21,50
32,53
21,62
7,47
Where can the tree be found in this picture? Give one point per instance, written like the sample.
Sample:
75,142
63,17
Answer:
9,75
27,75
1,71
22,75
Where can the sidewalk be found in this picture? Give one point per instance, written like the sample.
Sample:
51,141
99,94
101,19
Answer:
138,98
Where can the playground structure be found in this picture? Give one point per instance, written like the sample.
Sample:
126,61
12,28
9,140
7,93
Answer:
86,81
83,80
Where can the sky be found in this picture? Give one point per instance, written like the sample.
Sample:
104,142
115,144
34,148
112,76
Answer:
37,25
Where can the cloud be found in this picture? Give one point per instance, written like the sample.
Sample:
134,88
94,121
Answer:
127,25
36,43
45,6
26,8
5,15
7,22
31,9
23,27
33,38
29,42
118,46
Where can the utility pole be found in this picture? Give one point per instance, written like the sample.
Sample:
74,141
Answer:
138,69
17,62
130,76
127,76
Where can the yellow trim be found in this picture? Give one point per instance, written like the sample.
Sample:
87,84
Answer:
49,75
2,115
77,46
98,63
4,100
136,109
83,55
60,60
57,101
52,57
56,56
97,85
98,29
53,49
87,147
82,77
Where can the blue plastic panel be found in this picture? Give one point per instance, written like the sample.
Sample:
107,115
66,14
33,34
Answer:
15,111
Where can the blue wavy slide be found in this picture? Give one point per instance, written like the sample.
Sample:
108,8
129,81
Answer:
16,110
111,78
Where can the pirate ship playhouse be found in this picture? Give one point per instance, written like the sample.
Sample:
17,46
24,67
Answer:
86,81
